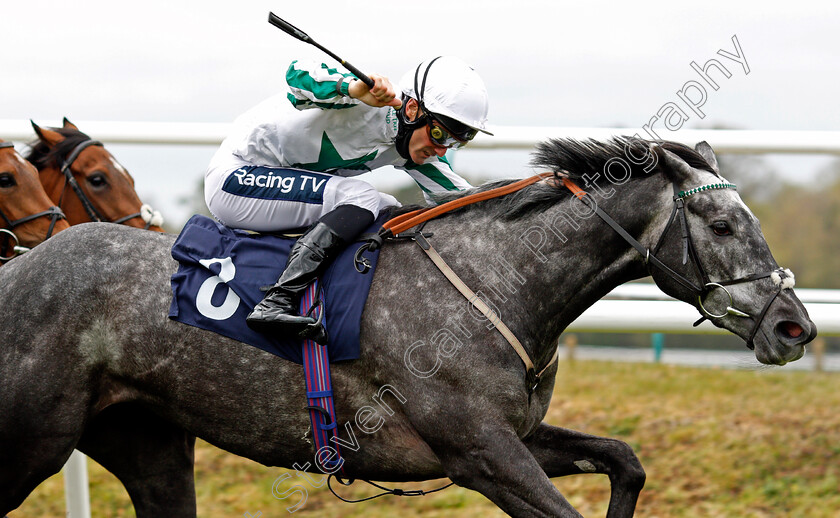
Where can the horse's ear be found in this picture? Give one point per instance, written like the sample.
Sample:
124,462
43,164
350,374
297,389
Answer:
673,166
708,154
69,125
47,136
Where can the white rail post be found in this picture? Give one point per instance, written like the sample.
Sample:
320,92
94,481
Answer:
570,341
76,486
818,348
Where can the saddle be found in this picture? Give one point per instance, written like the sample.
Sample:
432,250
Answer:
223,272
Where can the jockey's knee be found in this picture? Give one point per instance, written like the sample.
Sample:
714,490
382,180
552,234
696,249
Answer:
358,193
348,221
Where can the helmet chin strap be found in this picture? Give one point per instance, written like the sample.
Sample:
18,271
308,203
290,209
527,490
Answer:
406,128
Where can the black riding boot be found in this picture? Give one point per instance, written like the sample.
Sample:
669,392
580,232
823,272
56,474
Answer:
277,313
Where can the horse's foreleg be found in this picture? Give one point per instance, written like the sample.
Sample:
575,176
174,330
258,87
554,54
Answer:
495,462
151,457
563,452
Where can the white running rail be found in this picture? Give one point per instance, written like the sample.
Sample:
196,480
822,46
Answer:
506,137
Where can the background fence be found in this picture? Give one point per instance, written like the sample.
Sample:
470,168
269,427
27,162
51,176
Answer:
505,137
643,308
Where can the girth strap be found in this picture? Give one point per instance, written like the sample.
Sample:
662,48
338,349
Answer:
533,377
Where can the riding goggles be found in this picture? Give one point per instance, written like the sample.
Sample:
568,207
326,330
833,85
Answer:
442,136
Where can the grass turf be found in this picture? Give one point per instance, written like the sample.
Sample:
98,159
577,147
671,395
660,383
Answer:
714,443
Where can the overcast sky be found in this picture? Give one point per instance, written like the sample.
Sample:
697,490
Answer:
546,63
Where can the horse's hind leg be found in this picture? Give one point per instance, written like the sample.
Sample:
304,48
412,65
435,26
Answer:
563,452
39,428
151,457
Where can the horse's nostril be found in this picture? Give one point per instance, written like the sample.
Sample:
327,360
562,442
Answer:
790,329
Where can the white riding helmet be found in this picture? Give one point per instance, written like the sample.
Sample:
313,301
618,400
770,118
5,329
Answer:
448,87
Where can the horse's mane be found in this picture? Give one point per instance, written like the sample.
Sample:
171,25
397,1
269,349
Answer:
576,158
41,155
573,158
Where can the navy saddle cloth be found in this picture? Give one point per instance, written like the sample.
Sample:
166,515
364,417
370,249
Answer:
221,271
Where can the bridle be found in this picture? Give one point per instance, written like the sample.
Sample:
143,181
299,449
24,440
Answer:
54,213
690,252
90,209
396,228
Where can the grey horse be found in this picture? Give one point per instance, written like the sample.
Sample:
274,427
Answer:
89,359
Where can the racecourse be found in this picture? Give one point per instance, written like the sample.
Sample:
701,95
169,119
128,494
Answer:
714,443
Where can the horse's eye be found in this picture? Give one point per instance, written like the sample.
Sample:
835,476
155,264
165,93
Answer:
721,228
97,180
7,180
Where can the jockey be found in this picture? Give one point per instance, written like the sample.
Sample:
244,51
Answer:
290,160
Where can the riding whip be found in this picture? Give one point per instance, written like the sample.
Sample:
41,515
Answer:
293,31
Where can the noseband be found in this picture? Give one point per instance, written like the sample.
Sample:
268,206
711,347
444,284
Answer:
54,213
92,213
690,252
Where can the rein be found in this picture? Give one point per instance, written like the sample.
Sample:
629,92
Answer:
54,213
87,204
398,225
401,223
690,252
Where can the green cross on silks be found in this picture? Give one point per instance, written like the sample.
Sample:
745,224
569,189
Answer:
329,159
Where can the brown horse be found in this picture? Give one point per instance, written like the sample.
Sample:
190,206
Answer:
85,180
27,215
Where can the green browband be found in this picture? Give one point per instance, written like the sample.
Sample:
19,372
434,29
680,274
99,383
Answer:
686,194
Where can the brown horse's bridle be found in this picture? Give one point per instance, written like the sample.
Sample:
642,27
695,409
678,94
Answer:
92,213
690,252
53,212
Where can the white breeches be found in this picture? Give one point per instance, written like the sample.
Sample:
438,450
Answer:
268,199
